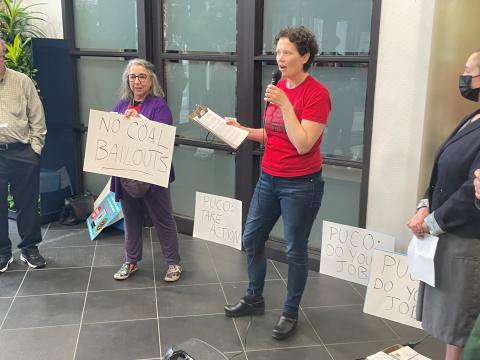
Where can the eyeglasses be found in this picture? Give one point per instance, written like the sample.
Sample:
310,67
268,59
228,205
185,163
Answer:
141,77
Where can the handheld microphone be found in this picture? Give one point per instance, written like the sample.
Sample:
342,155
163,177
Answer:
276,76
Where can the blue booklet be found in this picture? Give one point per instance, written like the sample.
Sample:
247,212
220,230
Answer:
104,215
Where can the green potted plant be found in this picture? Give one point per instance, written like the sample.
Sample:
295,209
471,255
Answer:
17,28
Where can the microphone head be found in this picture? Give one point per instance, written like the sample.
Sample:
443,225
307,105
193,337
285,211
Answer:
276,76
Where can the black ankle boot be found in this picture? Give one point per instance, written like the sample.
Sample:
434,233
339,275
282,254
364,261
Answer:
245,307
285,327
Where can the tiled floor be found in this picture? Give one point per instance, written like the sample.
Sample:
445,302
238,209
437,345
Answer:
73,309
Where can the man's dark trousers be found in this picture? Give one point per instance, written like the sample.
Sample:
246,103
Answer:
20,166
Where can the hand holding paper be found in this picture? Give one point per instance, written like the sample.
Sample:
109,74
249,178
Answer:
421,254
230,134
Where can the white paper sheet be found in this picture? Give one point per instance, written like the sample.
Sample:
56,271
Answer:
421,253
217,125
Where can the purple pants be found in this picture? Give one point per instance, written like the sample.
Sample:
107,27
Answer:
159,206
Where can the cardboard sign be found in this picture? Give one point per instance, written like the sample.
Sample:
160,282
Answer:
392,291
347,251
218,219
134,148
105,214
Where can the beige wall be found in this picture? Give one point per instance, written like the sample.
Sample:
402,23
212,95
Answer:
423,48
399,112
455,37
52,13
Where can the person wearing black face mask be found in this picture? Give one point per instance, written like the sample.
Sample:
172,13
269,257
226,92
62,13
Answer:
465,86
448,311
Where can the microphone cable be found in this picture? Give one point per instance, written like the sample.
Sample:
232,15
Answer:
244,338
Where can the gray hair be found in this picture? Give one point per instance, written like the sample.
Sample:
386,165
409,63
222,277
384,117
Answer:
156,90
3,44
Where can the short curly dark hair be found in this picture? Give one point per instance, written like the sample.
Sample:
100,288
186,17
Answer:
304,41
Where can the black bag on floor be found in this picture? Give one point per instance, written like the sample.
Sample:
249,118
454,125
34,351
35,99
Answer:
76,209
194,349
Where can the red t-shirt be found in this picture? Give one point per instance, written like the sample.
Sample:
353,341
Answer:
311,101
137,107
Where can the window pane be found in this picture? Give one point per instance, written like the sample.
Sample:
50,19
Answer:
192,82
98,83
92,182
207,26
97,27
199,169
347,84
342,27
340,203
348,88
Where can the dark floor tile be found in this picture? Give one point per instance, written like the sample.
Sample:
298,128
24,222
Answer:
66,238
51,343
259,336
114,255
45,281
219,250
109,255
344,324
191,250
233,267
430,347
46,310
405,331
125,340
193,272
361,289
182,237
274,293
303,353
68,256
190,300
112,236
10,282
358,350
102,278
283,269
216,330
120,305
236,354
57,226
328,291
4,305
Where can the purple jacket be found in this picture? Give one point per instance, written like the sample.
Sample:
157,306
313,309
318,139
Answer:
155,109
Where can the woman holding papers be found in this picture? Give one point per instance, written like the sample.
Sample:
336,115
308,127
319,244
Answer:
448,310
141,95
291,183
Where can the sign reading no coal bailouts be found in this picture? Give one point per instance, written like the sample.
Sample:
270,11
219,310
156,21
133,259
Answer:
134,148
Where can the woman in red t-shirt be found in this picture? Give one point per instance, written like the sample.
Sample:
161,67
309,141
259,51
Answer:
290,184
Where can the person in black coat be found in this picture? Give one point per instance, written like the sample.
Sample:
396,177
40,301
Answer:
448,311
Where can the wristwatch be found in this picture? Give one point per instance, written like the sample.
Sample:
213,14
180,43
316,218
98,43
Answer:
422,204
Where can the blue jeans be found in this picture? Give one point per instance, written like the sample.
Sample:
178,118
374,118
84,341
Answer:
298,201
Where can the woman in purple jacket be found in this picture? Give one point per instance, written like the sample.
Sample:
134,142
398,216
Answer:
141,94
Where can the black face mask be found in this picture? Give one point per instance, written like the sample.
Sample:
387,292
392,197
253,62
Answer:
465,87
